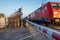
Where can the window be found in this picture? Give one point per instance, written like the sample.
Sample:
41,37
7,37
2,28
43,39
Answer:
45,7
59,5
56,5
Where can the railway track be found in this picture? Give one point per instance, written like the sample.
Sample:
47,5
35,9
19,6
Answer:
55,27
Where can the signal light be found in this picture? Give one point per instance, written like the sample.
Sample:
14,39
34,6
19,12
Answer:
55,12
54,16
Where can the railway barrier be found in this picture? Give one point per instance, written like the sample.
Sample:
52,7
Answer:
54,34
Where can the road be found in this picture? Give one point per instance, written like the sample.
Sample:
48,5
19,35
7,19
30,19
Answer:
15,34
24,33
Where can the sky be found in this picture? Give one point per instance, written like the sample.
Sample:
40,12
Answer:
8,7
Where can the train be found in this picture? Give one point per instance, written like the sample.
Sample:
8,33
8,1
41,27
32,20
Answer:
48,13
3,21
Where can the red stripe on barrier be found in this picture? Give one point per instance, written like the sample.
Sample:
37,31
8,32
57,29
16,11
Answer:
45,30
56,36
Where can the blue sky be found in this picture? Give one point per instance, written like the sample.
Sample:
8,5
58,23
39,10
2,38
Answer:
8,7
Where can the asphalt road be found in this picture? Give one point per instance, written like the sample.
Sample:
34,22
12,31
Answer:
24,33
15,34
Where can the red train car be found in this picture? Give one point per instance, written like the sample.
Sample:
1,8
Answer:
48,13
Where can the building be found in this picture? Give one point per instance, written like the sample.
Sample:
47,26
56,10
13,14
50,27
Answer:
3,21
15,19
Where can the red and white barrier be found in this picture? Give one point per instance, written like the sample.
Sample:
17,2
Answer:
54,34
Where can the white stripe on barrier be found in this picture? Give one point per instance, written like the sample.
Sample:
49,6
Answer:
49,32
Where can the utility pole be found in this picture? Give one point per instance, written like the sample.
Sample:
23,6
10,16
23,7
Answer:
20,16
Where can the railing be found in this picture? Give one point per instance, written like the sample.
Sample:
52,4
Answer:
54,34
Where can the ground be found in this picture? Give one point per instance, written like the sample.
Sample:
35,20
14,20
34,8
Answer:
25,33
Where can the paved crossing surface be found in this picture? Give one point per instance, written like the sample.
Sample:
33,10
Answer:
15,34
24,33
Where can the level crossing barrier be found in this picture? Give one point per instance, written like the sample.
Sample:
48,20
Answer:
54,34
